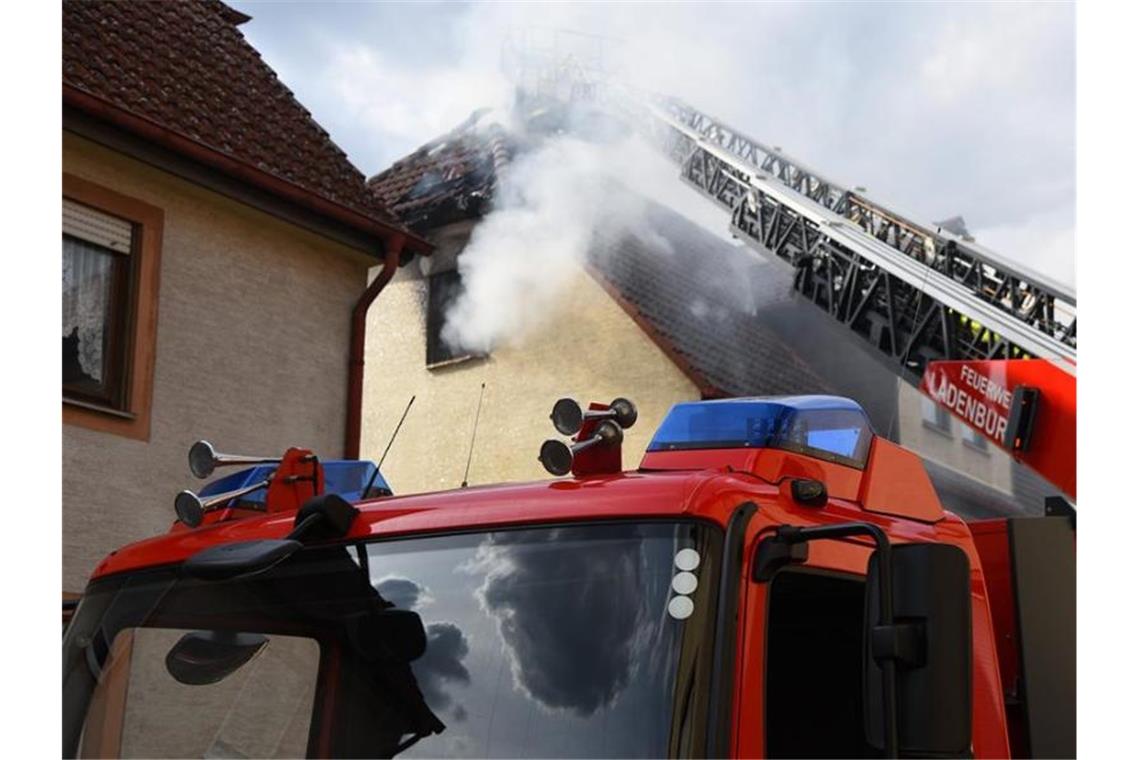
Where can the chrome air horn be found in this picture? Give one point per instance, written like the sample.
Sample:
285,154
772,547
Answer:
568,416
600,427
296,466
558,457
203,459
191,508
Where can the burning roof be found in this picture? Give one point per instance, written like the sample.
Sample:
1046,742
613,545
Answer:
675,285
450,178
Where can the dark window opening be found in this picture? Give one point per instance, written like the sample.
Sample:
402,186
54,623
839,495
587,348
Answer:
96,320
814,691
443,290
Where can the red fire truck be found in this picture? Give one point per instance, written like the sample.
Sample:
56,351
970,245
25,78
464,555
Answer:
773,580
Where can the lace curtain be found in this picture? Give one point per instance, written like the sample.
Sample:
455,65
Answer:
87,272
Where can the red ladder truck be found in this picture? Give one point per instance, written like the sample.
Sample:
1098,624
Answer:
773,580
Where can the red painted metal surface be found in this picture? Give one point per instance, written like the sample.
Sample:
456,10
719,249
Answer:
629,494
991,537
768,465
298,478
597,459
699,490
850,556
896,483
980,392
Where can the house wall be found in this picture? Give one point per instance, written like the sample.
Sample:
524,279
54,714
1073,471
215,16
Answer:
589,349
252,352
990,464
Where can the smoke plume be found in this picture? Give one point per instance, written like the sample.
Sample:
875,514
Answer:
935,108
551,204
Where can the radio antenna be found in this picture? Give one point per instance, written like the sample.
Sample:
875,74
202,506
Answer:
474,428
364,493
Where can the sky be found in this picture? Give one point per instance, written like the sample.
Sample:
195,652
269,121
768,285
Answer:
937,109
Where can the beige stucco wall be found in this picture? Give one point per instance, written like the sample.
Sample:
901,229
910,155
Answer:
588,349
991,466
252,354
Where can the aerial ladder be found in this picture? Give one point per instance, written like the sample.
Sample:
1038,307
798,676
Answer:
935,304
915,293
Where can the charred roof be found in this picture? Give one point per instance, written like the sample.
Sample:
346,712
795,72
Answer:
451,178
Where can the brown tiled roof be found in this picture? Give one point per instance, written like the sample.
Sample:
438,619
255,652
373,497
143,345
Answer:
449,178
185,67
702,299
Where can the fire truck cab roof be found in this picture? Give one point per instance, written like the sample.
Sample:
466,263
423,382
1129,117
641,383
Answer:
686,555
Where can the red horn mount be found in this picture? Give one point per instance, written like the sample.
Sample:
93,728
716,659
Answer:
596,448
298,478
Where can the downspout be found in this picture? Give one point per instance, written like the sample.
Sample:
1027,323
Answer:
394,246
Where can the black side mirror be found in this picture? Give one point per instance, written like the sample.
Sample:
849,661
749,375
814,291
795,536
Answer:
225,561
322,517
205,657
929,649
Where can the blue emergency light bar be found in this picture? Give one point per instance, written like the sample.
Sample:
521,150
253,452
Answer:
832,428
345,477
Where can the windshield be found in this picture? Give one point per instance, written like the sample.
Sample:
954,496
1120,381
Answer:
582,640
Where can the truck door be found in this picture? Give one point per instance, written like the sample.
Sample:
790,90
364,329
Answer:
800,691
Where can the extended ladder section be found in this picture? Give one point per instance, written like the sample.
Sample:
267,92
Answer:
915,293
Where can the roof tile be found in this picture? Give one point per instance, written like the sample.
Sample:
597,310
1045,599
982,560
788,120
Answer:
186,67
449,178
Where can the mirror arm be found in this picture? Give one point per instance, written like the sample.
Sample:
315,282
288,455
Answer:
892,645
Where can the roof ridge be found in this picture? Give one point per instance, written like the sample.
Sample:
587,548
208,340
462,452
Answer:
186,67
469,126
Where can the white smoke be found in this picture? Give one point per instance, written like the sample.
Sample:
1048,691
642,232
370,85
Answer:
519,256
550,205
966,113
936,108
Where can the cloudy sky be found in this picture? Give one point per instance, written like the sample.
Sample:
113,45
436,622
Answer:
941,109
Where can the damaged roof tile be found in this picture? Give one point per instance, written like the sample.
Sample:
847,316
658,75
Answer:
450,178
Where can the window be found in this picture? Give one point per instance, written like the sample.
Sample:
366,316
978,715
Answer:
110,266
815,666
935,417
97,278
974,439
443,289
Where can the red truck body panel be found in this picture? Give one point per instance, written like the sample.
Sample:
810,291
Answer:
991,537
707,485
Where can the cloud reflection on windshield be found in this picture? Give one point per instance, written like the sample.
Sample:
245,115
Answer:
568,617
447,646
